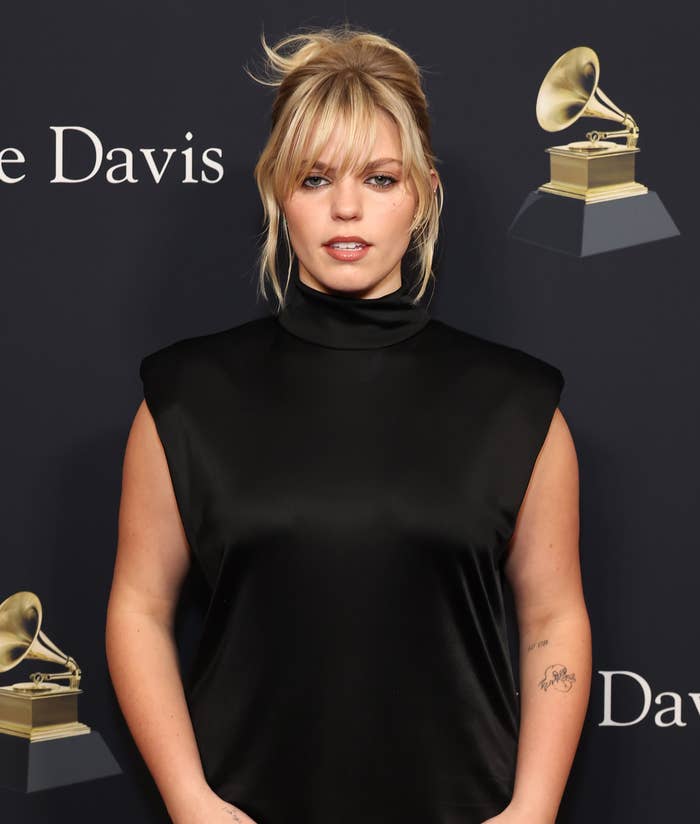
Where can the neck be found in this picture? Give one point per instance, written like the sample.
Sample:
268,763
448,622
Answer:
344,321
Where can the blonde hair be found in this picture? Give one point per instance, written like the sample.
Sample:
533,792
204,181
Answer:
345,72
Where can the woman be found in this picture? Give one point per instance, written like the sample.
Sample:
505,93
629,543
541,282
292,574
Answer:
353,477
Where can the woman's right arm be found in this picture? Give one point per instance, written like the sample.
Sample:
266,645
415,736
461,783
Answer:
151,564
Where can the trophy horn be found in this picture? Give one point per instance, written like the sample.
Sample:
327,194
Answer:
570,90
21,637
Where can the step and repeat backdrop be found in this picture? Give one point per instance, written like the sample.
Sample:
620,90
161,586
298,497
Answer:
131,219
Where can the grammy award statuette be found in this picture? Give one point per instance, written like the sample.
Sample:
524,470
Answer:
592,202
42,742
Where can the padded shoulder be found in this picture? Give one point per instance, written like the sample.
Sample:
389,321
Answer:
167,371
176,381
521,392
499,362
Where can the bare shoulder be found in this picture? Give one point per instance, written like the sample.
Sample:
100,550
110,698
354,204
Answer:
559,442
153,555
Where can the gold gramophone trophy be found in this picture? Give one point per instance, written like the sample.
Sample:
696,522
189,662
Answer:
592,202
42,742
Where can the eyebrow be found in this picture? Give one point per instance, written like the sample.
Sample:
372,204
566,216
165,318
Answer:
373,164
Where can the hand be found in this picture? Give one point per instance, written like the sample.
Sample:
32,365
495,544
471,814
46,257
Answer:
212,809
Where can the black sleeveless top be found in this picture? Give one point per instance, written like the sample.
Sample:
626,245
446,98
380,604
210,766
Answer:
348,474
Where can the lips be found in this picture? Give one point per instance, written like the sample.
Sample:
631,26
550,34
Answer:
347,239
347,253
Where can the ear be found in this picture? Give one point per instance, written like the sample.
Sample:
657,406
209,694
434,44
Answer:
434,181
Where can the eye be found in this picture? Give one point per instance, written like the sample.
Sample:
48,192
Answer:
388,178
388,181
312,177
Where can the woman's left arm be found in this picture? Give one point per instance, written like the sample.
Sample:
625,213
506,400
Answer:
544,571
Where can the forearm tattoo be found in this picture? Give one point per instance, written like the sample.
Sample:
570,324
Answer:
556,676
537,644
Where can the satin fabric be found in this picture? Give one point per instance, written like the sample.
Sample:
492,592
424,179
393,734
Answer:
348,475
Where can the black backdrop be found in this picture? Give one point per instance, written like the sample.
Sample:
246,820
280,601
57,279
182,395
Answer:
96,274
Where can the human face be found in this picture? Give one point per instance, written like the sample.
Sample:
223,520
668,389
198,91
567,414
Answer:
377,205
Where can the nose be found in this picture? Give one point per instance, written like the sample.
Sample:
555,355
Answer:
346,202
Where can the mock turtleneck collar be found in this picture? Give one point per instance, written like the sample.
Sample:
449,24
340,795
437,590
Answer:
347,322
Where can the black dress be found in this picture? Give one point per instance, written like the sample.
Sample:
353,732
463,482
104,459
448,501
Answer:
348,474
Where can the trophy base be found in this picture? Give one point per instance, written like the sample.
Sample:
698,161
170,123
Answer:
593,172
29,766
40,712
579,228
45,733
597,195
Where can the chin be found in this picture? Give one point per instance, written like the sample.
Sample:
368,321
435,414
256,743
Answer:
347,278
335,281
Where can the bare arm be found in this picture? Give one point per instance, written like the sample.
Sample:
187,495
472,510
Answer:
543,568
151,564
